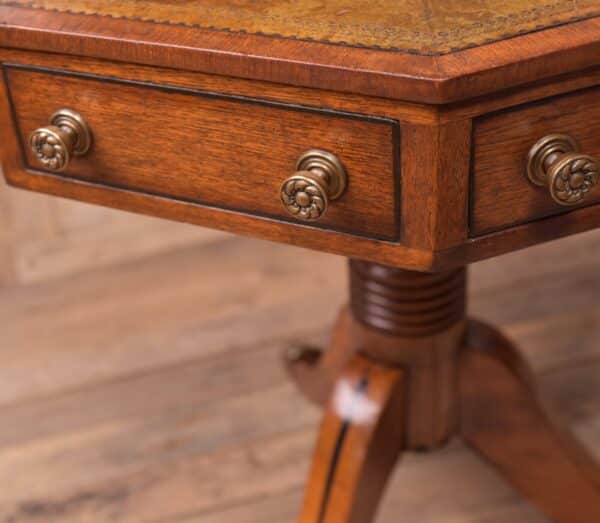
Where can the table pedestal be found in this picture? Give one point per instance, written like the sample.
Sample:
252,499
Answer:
406,370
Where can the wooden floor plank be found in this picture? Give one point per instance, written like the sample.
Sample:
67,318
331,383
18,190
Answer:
103,324
144,315
153,392
156,456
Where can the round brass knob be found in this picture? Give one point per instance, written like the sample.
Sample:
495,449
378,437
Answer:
67,135
320,178
555,162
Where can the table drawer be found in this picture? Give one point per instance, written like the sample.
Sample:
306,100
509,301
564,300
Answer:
221,151
502,195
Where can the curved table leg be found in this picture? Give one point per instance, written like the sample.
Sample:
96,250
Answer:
507,422
314,371
360,441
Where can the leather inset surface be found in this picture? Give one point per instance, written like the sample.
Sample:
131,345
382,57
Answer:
426,27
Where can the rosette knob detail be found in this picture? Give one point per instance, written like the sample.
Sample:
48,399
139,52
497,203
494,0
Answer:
66,136
320,178
556,162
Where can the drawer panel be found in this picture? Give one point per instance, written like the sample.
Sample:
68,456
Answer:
214,150
501,194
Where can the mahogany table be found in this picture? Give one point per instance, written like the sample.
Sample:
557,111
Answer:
412,136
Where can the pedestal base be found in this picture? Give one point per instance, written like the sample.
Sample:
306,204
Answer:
390,387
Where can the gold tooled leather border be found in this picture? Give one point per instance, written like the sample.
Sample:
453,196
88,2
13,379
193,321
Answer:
433,47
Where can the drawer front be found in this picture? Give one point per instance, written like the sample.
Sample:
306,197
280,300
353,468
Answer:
501,194
214,150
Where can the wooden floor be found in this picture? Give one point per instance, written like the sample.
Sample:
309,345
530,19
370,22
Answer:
153,391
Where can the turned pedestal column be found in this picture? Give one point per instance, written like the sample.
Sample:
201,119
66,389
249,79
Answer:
406,371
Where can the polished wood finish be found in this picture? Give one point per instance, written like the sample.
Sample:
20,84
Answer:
362,436
475,385
415,321
386,332
397,318
314,370
435,183
231,153
287,230
502,196
511,426
404,303
429,360
391,25
128,393
209,124
429,79
431,158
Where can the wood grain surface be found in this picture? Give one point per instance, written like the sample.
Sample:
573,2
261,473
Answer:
417,26
206,148
502,196
127,395
490,68
360,440
433,158
507,421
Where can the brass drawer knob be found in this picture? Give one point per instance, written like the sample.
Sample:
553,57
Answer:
67,135
320,178
555,162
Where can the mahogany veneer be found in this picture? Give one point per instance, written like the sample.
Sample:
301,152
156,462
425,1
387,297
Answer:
410,136
500,143
245,147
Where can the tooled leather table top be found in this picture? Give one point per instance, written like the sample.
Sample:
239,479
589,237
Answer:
427,27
